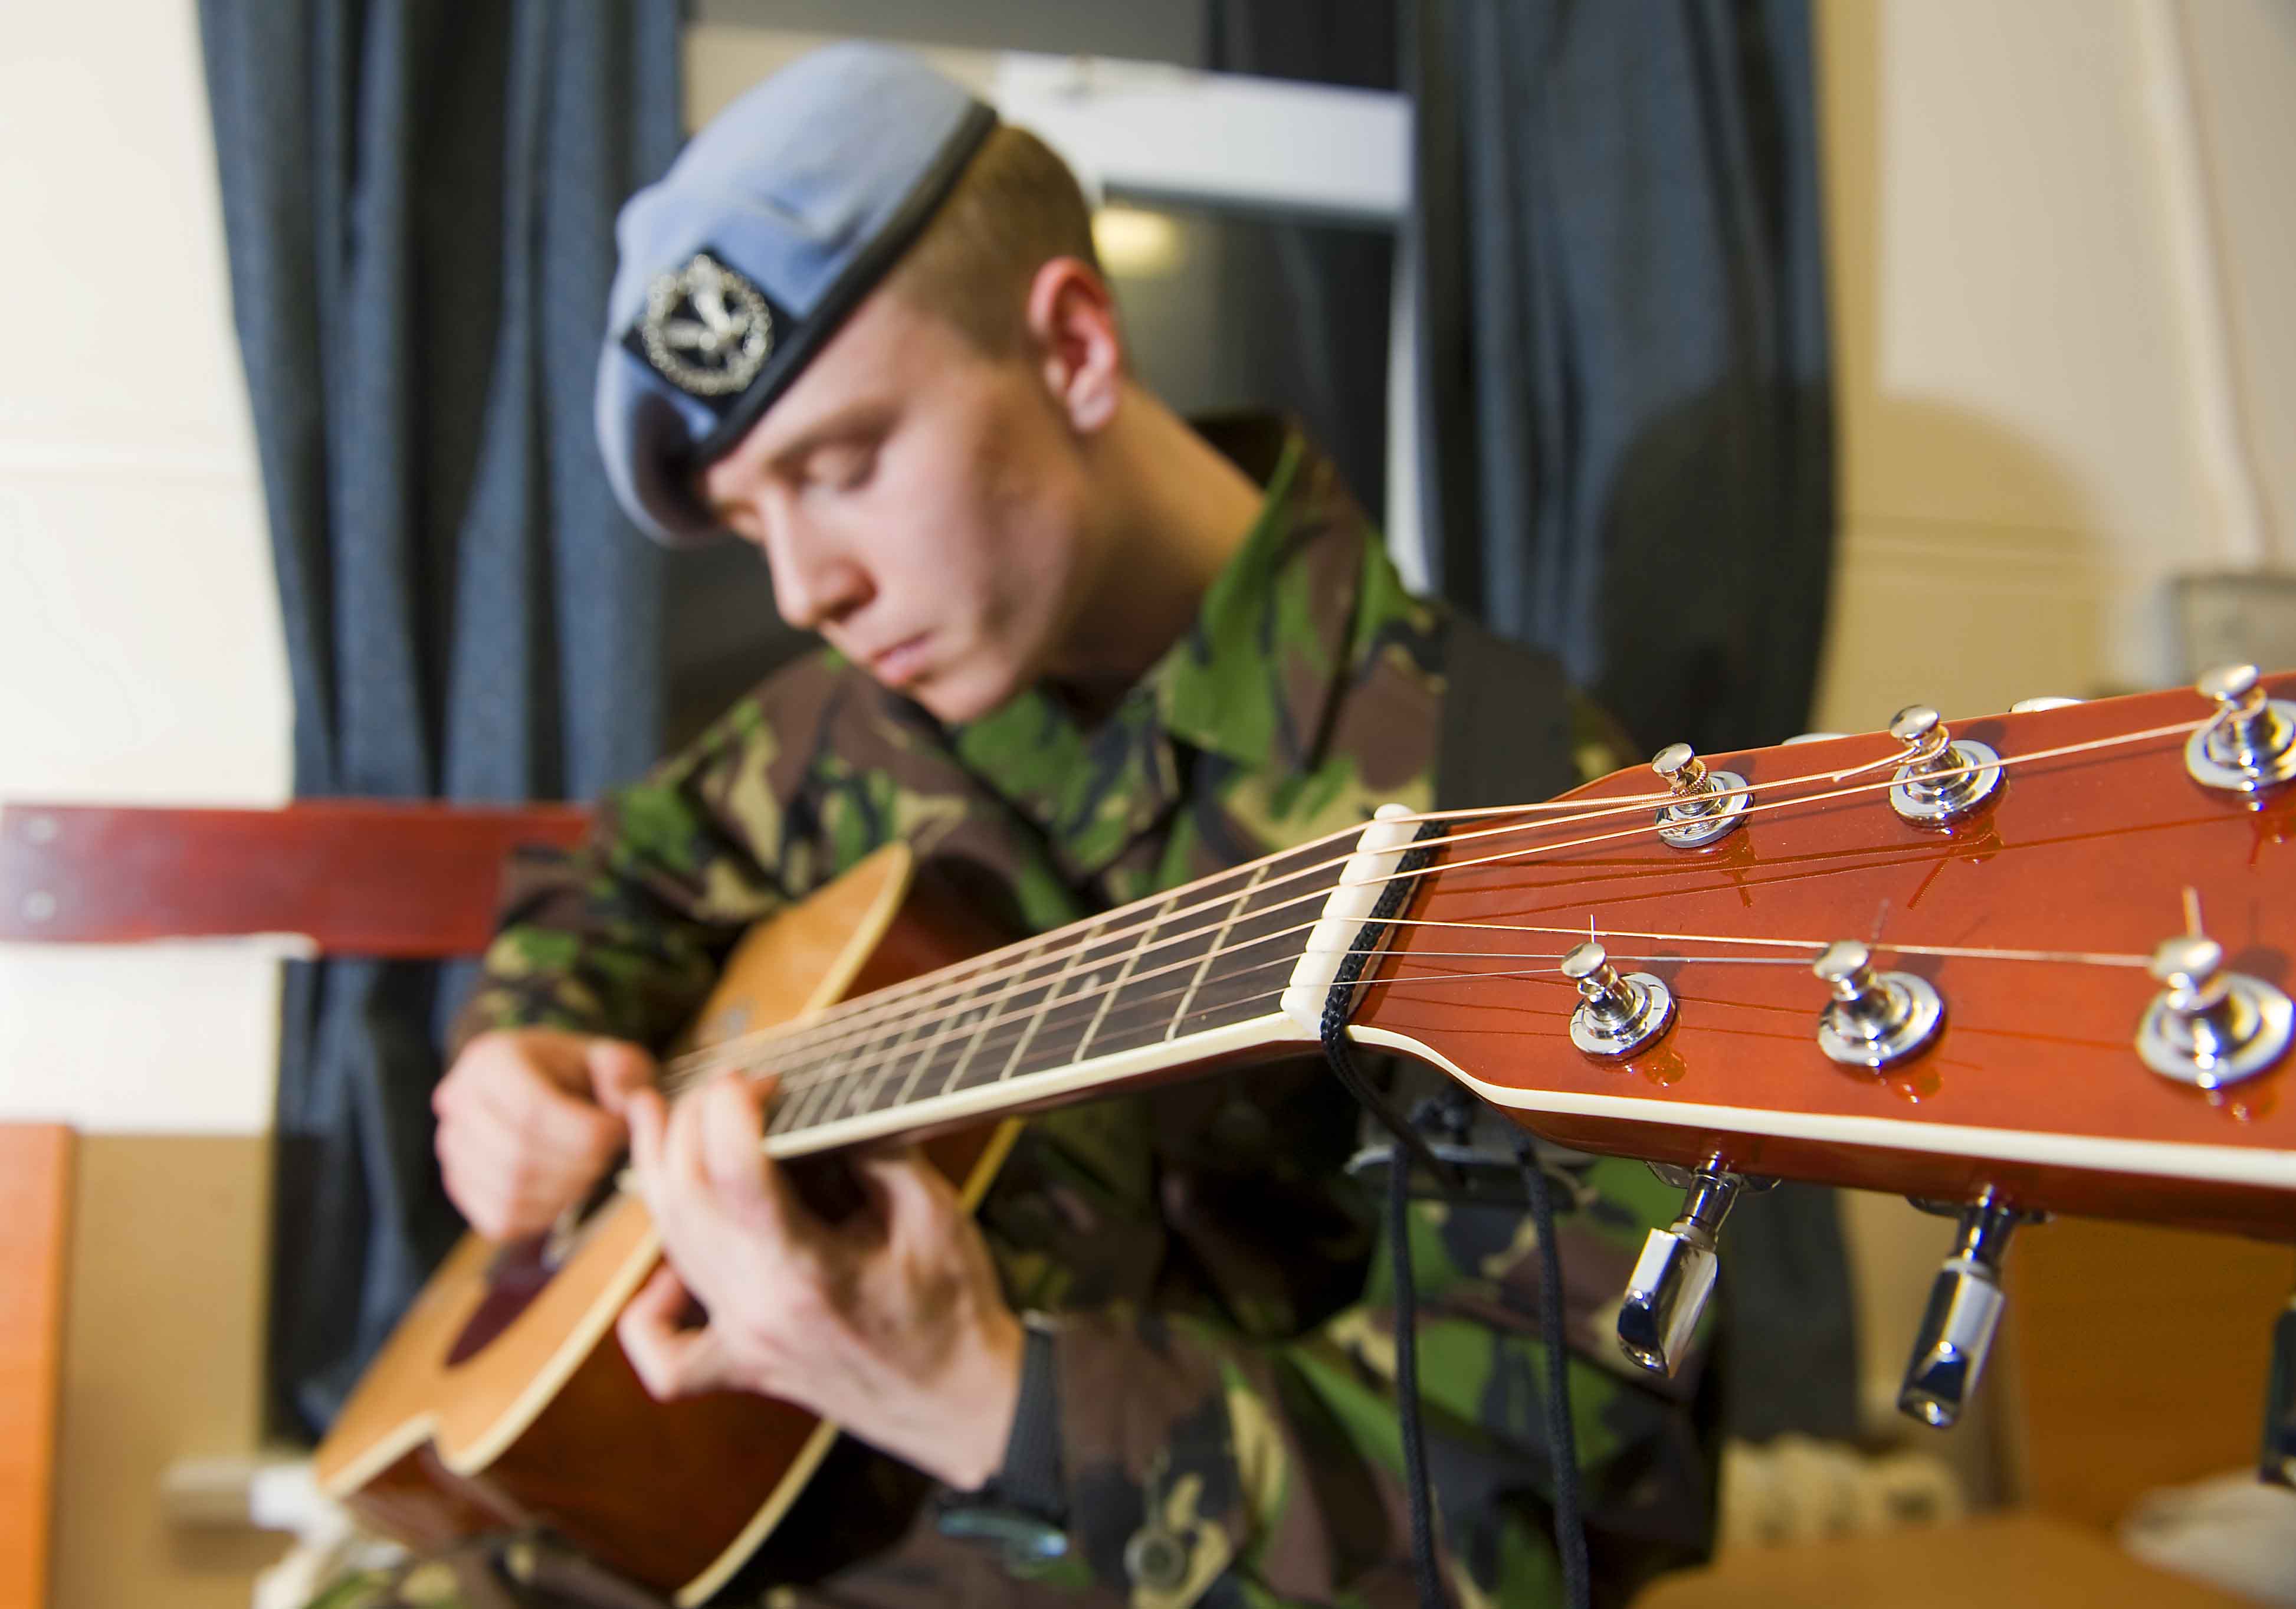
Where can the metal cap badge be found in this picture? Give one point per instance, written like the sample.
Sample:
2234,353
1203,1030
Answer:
707,330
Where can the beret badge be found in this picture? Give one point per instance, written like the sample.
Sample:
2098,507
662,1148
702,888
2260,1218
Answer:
706,330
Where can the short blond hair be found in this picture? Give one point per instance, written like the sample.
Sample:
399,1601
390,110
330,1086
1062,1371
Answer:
1015,208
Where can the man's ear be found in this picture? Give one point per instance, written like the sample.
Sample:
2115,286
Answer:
1080,349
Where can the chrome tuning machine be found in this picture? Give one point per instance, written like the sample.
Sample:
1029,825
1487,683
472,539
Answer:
1616,1015
1674,1274
2251,743
2211,1027
1964,1309
1874,1018
1707,805
1942,779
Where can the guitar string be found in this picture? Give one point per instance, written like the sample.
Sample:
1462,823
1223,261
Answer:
859,1020
859,1070
976,970
800,1073
801,1076
1021,1082
909,1047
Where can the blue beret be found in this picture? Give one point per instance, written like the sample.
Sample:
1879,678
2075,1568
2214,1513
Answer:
741,263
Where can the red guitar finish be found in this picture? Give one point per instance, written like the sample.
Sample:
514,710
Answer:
2033,1086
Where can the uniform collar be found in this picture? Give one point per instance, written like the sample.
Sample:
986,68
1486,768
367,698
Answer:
1252,680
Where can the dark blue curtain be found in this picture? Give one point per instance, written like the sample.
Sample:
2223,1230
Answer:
419,198
1626,396
1626,417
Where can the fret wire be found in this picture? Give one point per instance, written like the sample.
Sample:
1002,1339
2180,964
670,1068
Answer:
1093,992
989,1020
869,1066
1212,954
1052,993
932,1048
1084,1046
876,1078
809,1098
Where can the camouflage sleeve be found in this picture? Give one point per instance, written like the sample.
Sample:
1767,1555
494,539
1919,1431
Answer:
624,935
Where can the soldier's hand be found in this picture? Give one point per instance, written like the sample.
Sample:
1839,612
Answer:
528,1119
889,1323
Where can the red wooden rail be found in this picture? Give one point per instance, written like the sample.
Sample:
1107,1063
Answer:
355,876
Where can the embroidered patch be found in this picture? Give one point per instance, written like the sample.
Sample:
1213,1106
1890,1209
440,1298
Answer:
707,330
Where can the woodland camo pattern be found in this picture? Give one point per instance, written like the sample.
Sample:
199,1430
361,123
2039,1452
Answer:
1225,1354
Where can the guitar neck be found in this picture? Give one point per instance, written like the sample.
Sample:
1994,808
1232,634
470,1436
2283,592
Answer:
1177,983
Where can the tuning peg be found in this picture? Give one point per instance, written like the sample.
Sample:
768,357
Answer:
1964,1308
1706,804
2251,746
1616,1015
1875,1018
1942,779
2276,1461
1676,1273
2211,1027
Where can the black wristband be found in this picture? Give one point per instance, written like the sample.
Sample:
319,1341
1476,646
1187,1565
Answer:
1030,1475
1022,1510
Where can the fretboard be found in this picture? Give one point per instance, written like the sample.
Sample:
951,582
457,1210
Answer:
1137,990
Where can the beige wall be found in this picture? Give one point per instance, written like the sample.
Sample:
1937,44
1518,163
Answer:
140,647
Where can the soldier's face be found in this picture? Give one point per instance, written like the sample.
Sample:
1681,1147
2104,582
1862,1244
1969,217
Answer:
922,506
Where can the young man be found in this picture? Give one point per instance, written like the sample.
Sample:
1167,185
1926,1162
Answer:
1076,653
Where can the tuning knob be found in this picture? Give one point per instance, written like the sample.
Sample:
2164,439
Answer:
2251,746
2211,1027
1964,1309
1616,1015
1942,779
2276,1460
1706,806
1674,1274
1875,1018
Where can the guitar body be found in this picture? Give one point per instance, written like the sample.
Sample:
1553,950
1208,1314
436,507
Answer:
504,1401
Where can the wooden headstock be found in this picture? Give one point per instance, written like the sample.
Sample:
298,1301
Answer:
2034,918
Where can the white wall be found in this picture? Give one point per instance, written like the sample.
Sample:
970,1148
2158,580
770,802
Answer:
2029,445
2024,388
140,642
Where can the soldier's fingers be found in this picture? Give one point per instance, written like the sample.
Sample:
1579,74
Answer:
918,1203
649,1121
618,1069
733,1141
524,1102
485,1183
671,1362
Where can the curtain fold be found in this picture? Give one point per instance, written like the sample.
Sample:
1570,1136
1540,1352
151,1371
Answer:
1627,435
1626,418
418,204
1627,404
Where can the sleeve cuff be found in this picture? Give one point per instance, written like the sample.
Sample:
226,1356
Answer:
1023,1506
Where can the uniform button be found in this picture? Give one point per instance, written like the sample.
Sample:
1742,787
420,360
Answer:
1156,1559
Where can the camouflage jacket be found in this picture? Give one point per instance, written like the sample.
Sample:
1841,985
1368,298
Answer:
1222,1356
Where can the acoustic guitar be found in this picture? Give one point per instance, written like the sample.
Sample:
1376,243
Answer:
2039,963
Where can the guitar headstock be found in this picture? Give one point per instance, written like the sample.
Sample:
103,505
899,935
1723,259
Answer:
2032,917
2025,962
